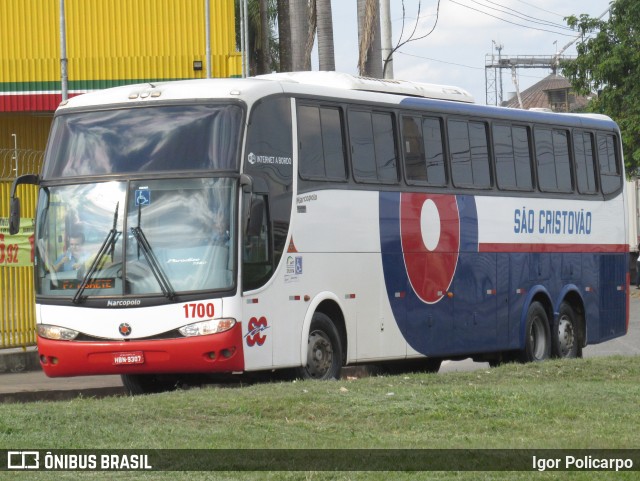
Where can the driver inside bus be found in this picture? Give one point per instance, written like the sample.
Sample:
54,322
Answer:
74,257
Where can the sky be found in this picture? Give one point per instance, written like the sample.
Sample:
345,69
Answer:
466,31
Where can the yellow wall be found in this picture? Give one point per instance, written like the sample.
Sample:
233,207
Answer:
109,41
31,136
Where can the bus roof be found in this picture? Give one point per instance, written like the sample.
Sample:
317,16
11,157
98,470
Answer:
438,98
262,85
388,86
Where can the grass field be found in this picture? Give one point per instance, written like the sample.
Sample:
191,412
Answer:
586,403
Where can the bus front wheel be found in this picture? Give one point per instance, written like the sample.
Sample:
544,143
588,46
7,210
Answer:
136,384
537,339
324,350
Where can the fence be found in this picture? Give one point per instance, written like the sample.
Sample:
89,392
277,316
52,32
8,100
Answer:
17,307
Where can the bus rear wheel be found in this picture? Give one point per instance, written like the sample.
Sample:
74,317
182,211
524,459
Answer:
564,337
324,350
537,338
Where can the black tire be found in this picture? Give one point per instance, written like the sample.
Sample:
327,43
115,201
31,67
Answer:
432,365
137,384
324,350
537,338
565,338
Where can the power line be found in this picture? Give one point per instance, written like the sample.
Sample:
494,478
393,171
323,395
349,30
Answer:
523,16
458,64
439,61
512,23
540,8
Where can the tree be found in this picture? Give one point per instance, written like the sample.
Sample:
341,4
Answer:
298,17
264,54
320,20
284,36
370,50
608,63
326,56
262,45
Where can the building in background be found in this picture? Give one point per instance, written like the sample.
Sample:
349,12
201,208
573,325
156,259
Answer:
554,92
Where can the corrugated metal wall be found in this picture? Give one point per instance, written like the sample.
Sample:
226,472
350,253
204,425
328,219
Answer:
147,39
17,299
17,310
109,42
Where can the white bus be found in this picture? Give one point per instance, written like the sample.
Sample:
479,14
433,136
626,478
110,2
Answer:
315,220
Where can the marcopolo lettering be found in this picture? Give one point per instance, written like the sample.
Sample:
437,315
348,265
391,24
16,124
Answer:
123,303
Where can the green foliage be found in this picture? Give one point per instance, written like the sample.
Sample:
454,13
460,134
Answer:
608,64
558,404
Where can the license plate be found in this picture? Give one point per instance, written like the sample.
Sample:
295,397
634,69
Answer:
122,358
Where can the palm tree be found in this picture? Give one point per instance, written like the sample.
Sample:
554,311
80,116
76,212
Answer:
299,32
284,35
326,57
264,58
370,54
260,44
311,33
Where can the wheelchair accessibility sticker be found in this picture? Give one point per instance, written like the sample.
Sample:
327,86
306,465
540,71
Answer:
143,197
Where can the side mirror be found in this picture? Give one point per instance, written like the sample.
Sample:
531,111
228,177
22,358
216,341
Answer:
14,204
14,215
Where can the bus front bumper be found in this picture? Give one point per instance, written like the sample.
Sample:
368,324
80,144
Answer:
215,353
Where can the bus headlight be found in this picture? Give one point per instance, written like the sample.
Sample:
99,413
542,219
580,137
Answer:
204,328
56,333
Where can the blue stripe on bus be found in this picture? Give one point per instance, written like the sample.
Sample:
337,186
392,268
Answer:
491,291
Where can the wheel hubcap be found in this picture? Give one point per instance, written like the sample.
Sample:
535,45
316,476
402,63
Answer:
566,336
320,355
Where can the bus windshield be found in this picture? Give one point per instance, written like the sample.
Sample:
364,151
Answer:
158,237
145,139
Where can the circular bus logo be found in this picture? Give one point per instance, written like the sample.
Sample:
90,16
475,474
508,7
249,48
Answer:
124,329
430,233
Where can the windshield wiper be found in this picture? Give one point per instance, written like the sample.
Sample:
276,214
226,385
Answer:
107,246
157,270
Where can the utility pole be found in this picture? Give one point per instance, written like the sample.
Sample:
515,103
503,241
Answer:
64,77
499,47
207,23
385,25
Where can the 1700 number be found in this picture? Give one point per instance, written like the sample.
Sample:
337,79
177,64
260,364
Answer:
195,310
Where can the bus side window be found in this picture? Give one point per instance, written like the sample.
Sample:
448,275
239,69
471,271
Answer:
610,178
552,160
373,149
413,149
585,162
361,139
423,150
384,144
513,157
321,148
434,151
469,154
